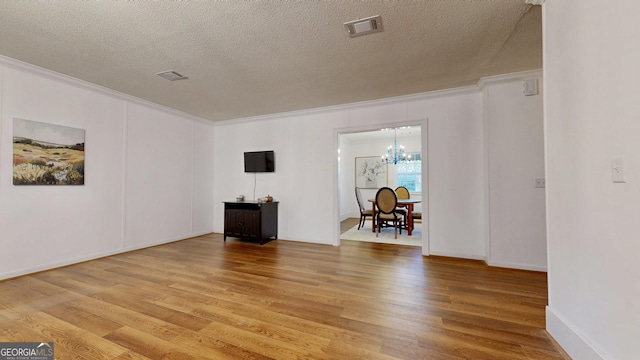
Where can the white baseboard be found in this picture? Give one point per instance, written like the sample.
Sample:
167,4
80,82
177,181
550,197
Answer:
572,342
456,255
349,215
89,257
517,266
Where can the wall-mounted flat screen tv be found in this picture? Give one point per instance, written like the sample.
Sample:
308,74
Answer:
259,161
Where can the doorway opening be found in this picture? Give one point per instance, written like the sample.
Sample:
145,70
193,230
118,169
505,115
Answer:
360,164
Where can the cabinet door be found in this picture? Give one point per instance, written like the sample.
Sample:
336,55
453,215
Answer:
251,223
233,222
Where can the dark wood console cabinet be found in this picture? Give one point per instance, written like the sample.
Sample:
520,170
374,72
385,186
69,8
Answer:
250,219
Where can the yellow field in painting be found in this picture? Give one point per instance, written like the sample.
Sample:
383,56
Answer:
35,165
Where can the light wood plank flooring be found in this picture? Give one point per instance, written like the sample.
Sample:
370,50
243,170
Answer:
202,298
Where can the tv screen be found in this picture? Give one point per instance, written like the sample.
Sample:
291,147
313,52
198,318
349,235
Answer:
259,161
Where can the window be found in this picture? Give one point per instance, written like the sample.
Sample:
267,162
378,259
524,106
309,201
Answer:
409,174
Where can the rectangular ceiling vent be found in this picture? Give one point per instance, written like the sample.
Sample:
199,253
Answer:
364,26
171,75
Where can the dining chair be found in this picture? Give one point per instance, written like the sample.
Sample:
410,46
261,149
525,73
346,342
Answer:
386,202
403,193
364,212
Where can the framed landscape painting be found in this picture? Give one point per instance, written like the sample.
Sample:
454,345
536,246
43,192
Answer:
47,154
370,172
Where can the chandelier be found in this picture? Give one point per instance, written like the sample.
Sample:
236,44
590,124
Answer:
395,153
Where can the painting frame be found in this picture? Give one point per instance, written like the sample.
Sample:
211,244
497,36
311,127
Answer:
47,154
370,172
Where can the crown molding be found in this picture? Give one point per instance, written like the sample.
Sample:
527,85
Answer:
508,78
465,90
489,80
356,105
66,79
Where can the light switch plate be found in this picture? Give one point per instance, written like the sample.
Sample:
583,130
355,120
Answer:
617,170
530,87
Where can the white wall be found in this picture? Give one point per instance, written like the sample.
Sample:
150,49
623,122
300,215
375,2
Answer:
591,117
306,181
514,159
150,174
146,180
455,173
303,181
346,166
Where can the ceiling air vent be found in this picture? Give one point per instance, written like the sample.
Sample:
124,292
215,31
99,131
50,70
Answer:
171,75
364,26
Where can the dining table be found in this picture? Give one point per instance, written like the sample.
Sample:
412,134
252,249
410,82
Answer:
406,203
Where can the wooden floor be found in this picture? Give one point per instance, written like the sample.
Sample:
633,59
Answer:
205,299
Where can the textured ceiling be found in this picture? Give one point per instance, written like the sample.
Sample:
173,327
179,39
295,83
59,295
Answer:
251,58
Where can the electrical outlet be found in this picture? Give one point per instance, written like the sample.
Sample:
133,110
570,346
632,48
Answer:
540,183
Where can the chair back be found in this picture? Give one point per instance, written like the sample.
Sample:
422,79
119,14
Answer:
402,192
359,198
386,200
